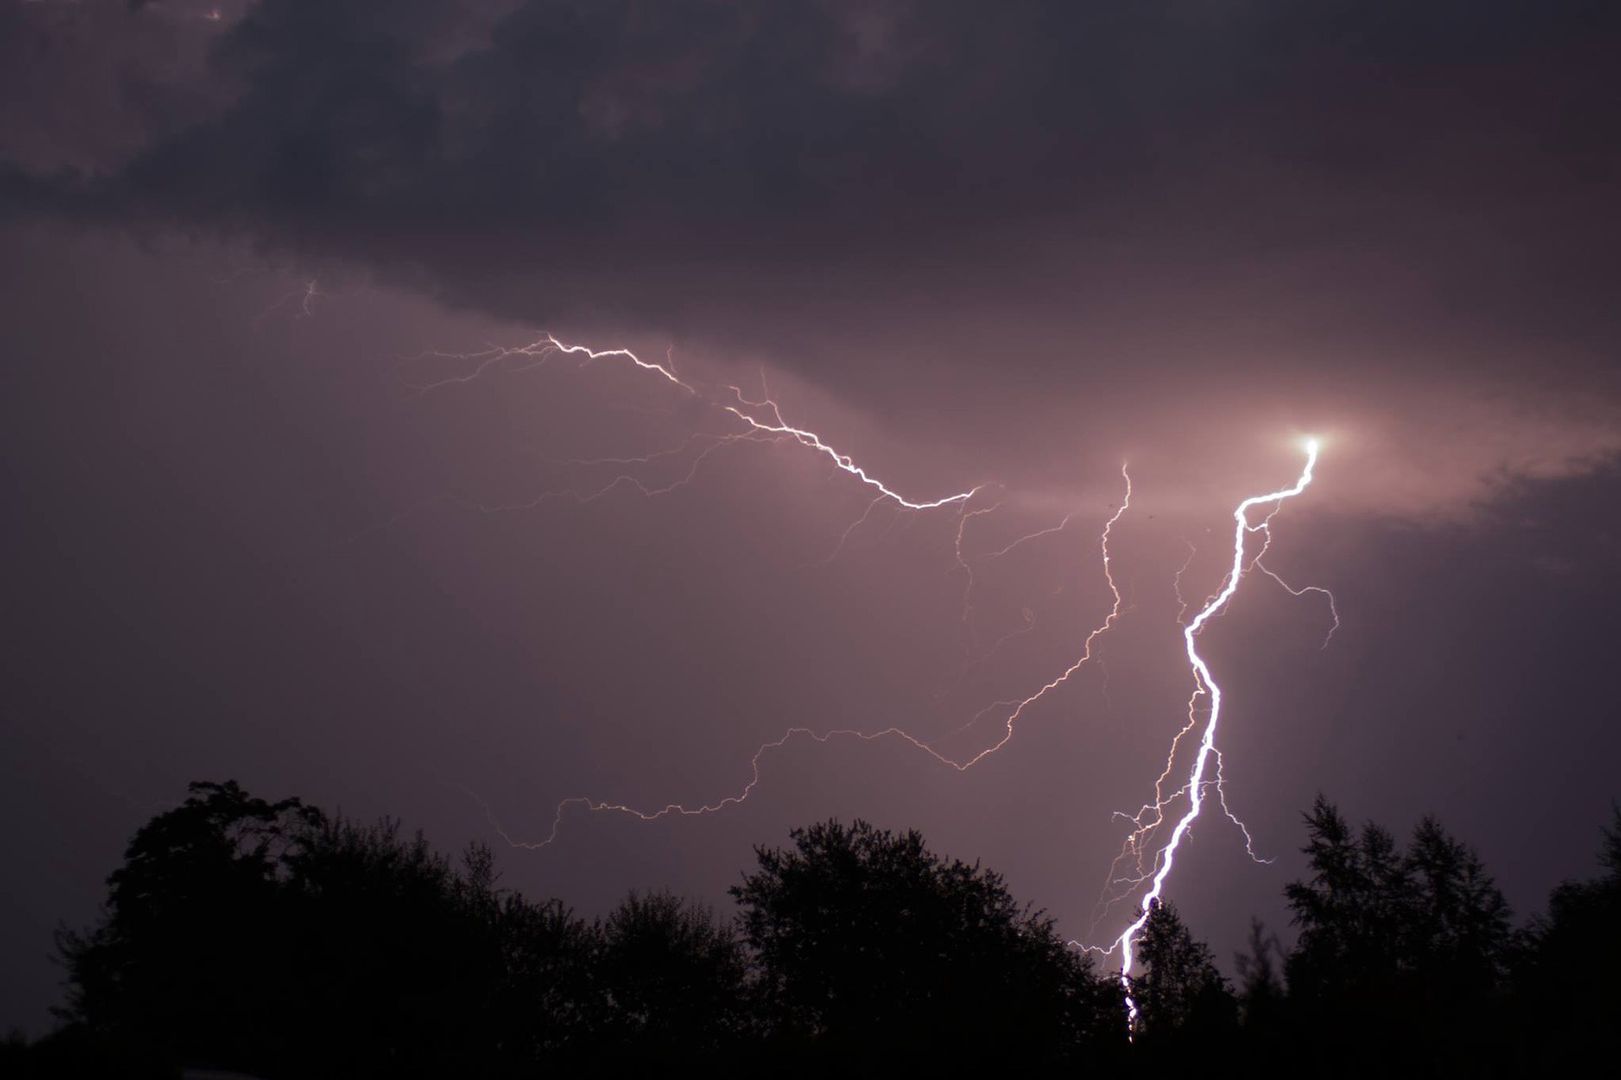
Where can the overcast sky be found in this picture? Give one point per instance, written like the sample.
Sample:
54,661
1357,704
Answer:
277,513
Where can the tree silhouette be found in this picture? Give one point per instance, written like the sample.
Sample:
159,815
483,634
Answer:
1263,1002
1260,985
1409,948
393,955
1351,913
194,958
546,997
674,980
1181,996
868,944
271,939
1568,996
1460,929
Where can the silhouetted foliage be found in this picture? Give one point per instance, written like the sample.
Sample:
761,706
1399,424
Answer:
1262,998
544,1002
674,978
196,957
1567,990
1182,999
273,940
868,944
1408,947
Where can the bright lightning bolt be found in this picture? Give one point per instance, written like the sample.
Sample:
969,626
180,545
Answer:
538,352
535,354
810,439
763,420
1205,683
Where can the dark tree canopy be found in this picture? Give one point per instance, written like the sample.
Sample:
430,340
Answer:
1568,987
271,939
194,955
1262,998
1409,946
1182,998
676,978
866,942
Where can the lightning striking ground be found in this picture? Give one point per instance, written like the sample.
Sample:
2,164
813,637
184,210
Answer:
1204,685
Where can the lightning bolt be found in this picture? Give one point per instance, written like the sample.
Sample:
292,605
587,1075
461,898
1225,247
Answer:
763,419
814,441
1086,649
1333,608
966,565
768,425
1204,685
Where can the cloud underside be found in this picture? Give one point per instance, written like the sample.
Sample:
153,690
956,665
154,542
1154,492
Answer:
1245,200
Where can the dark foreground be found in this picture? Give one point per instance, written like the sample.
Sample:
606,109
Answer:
274,940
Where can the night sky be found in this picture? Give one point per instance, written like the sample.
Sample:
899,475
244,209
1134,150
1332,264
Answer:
275,512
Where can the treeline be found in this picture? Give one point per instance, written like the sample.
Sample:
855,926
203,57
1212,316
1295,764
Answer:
274,940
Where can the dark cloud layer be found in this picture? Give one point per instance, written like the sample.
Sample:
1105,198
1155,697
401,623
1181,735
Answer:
742,164
1391,221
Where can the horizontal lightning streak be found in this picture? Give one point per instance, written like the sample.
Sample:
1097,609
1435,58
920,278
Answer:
538,352
844,462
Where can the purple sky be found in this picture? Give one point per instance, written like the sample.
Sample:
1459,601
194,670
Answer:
1010,246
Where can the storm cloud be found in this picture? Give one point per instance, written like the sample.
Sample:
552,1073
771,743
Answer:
906,202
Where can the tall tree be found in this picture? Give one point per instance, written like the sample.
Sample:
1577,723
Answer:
1185,1009
1407,948
1180,992
1353,911
1260,985
193,959
1263,1003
